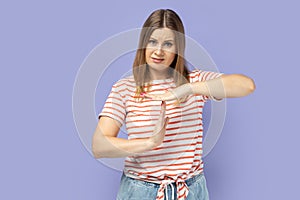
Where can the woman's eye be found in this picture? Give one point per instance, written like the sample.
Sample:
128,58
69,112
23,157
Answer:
168,44
152,42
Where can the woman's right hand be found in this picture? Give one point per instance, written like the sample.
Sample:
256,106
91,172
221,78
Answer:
160,129
106,144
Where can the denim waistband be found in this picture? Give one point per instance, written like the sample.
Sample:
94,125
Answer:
194,179
189,181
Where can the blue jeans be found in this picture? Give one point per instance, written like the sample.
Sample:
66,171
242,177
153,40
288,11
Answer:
132,189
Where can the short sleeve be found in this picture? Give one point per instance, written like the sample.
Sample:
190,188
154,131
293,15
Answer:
114,106
199,75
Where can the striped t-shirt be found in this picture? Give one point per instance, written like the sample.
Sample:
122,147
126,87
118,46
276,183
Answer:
179,157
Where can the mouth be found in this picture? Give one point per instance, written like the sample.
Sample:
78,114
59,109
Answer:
157,60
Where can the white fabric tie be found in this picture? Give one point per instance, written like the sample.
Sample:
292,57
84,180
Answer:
172,191
182,189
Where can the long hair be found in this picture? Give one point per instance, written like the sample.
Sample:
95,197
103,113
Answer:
162,18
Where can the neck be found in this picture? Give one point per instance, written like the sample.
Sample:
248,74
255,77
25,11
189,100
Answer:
159,75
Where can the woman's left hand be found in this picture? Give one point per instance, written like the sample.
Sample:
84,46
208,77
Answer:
174,94
161,97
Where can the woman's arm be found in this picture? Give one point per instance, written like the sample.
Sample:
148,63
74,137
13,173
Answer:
225,86
106,144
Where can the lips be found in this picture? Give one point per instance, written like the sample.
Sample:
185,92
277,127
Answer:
157,60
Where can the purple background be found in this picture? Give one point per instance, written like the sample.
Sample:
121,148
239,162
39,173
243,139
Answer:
43,44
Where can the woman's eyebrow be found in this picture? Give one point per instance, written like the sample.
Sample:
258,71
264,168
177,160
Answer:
167,40
170,40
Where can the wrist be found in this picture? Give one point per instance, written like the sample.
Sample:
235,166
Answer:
149,144
183,90
198,87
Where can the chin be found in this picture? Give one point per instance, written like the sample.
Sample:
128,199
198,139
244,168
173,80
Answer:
159,69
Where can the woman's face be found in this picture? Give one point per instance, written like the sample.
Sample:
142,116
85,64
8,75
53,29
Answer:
161,49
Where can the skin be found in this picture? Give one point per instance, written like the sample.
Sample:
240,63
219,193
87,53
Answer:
106,144
160,53
226,86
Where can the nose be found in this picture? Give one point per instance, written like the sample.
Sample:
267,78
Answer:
159,51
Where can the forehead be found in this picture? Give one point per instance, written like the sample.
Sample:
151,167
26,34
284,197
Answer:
163,34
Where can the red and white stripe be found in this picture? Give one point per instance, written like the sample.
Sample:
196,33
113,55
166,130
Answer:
179,157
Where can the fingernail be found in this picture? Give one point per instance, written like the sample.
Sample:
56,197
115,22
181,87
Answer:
167,120
143,93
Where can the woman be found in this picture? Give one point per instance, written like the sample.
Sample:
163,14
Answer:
161,105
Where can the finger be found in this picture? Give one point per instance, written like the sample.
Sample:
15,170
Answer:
153,97
163,104
163,108
166,122
160,122
163,126
163,129
162,113
147,96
